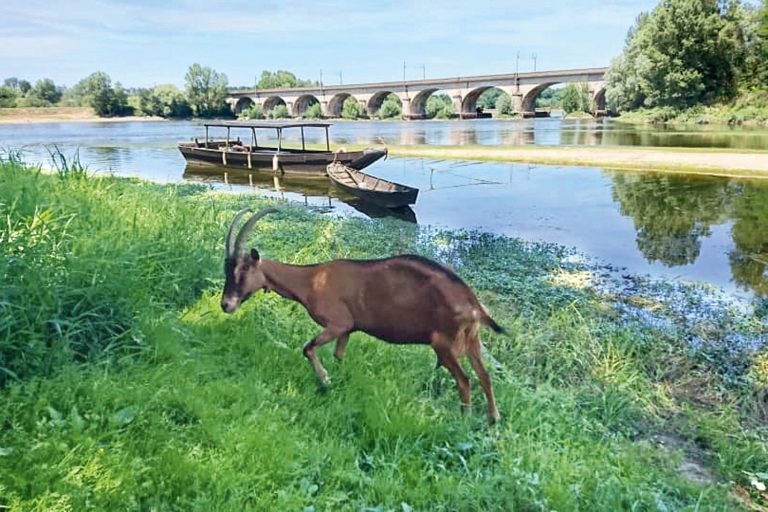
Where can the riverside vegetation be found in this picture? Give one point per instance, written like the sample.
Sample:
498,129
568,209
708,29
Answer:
123,386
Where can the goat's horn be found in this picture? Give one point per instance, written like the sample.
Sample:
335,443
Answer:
231,233
241,238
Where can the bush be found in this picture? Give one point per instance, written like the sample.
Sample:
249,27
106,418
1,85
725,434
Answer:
390,109
8,97
252,112
352,109
279,112
504,104
314,112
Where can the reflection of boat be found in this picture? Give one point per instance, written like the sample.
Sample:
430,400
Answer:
375,211
234,153
370,188
312,185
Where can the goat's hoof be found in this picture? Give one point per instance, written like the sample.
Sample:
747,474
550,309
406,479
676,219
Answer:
493,418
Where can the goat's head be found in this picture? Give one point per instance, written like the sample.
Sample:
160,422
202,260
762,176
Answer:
242,270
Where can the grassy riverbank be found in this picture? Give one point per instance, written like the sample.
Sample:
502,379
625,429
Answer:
750,108
123,386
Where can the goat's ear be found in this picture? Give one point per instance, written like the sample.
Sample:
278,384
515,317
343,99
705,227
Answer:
255,255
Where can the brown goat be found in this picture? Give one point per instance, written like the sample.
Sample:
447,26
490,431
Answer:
403,299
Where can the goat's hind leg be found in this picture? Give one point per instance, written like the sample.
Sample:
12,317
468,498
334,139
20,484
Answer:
341,346
474,351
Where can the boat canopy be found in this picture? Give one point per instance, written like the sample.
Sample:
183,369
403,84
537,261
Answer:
275,125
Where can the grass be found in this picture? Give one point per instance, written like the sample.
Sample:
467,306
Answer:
749,108
123,386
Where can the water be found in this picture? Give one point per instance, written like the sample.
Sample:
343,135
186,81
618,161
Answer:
694,228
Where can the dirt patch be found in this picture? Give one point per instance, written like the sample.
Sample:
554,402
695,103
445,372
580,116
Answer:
691,467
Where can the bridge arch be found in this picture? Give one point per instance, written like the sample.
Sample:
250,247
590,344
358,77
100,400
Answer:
419,103
529,99
302,103
243,104
377,100
271,102
336,104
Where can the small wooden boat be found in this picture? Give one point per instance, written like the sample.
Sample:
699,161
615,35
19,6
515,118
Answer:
377,190
238,154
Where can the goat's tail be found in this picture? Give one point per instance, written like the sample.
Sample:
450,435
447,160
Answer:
490,322
486,319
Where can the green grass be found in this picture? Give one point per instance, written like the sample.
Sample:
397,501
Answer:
124,387
749,108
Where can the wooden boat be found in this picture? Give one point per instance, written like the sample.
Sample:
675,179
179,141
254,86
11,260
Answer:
234,153
367,187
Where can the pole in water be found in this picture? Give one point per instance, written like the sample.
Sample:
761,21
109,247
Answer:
226,178
250,180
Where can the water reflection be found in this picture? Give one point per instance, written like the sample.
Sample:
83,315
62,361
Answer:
672,216
749,258
671,213
311,190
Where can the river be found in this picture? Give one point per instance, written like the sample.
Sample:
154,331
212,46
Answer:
706,229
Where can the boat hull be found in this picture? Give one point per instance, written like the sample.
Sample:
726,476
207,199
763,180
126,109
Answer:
286,162
389,195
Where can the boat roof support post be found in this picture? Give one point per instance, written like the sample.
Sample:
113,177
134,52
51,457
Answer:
327,140
228,128
279,139
253,134
302,138
206,136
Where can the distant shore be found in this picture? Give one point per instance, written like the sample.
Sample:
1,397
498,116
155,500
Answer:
41,115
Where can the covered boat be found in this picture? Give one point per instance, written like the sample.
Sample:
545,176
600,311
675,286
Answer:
236,153
370,188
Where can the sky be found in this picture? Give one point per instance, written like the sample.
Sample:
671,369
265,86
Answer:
144,43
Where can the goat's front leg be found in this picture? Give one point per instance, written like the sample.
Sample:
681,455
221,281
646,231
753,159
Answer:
324,337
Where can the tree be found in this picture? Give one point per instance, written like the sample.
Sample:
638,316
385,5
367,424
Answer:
390,108
575,98
8,96
97,91
682,53
281,80
45,90
206,91
24,86
762,42
488,98
164,101
504,104
439,106
351,109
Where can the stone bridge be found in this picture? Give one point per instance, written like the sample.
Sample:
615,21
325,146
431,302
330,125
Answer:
522,88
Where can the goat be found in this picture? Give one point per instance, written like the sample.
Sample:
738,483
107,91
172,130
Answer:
402,299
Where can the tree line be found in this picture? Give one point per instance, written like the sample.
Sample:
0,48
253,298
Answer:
204,94
686,53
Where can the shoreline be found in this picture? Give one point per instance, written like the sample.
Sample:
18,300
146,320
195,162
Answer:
44,115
